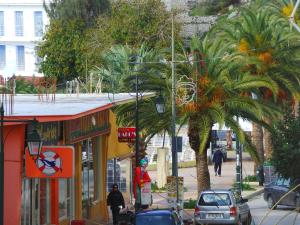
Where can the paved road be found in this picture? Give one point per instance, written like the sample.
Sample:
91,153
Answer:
259,209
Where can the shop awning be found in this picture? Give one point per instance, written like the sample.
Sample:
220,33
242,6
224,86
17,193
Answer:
116,149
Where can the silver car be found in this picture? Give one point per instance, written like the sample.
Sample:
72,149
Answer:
221,207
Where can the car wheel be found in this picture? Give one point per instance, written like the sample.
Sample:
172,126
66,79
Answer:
271,202
239,222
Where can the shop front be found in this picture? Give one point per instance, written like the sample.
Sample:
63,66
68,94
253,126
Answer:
88,127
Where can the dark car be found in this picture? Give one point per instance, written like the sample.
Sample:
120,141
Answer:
277,189
151,217
155,217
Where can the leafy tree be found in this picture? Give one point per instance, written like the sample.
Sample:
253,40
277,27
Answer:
271,49
286,153
133,23
62,50
85,10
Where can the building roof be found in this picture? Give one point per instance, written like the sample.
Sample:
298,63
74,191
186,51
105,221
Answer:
65,106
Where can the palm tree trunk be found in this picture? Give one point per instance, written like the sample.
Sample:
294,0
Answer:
203,177
267,141
257,140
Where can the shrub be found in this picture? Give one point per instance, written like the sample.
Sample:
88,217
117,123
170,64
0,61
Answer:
190,204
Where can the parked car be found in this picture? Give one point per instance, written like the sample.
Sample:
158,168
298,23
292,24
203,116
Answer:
277,189
221,207
150,217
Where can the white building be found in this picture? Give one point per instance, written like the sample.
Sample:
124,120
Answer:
22,24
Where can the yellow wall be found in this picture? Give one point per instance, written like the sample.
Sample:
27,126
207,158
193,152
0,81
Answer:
115,148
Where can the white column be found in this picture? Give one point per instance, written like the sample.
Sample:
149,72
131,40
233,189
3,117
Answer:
162,166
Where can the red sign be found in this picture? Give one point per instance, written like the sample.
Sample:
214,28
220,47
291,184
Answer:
126,134
53,162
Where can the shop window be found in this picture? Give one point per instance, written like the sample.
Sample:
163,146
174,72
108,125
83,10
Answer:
87,176
64,199
118,175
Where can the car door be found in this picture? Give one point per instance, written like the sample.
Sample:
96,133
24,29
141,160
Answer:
278,190
290,199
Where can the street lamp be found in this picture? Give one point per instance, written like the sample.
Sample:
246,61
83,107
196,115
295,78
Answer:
160,104
34,144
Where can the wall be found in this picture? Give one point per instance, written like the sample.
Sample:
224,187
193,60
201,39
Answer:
14,137
28,40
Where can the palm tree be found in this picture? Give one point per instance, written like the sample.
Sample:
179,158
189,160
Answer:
221,96
269,47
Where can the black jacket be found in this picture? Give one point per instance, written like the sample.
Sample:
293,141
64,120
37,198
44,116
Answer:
218,157
115,199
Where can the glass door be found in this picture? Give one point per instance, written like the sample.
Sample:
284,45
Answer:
35,202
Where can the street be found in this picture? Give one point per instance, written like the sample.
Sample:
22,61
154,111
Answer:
281,216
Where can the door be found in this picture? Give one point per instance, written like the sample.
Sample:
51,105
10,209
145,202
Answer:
35,202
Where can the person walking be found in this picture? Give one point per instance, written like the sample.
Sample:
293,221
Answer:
115,200
217,160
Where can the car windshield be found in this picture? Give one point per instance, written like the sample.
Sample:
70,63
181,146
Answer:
215,199
154,220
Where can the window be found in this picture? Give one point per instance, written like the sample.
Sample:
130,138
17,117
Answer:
215,199
19,23
1,23
2,57
38,23
118,176
64,199
87,176
20,58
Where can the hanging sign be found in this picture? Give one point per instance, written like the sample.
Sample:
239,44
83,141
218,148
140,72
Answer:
126,134
53,162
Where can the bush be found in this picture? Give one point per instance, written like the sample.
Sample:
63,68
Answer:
250,178
245,187
190,204
155,188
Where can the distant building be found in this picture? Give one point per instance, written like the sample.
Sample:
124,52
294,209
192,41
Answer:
22,25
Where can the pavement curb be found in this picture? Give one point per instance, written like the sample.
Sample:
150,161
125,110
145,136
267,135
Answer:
254,194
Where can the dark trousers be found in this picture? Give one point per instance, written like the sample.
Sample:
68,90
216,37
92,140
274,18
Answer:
218,168
115,213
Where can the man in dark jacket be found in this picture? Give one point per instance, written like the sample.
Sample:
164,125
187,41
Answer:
115,200
218,159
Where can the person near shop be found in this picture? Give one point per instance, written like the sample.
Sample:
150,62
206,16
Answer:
141,177
116,201
217,160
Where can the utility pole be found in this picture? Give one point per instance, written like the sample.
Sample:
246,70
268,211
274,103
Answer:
173,128
238,166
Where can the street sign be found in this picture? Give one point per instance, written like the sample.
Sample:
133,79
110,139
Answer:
177,141
126,134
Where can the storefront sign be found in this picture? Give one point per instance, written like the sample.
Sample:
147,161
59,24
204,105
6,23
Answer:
53,162
172,192
87,127
126,134
50,132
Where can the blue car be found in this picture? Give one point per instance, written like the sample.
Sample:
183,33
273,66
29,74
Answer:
158,217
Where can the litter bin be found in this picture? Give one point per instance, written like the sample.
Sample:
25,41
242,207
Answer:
260,175
77,222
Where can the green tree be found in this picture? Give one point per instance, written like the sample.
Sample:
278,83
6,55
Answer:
269,47
221,96
133,23
286,153
62,50
85,10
